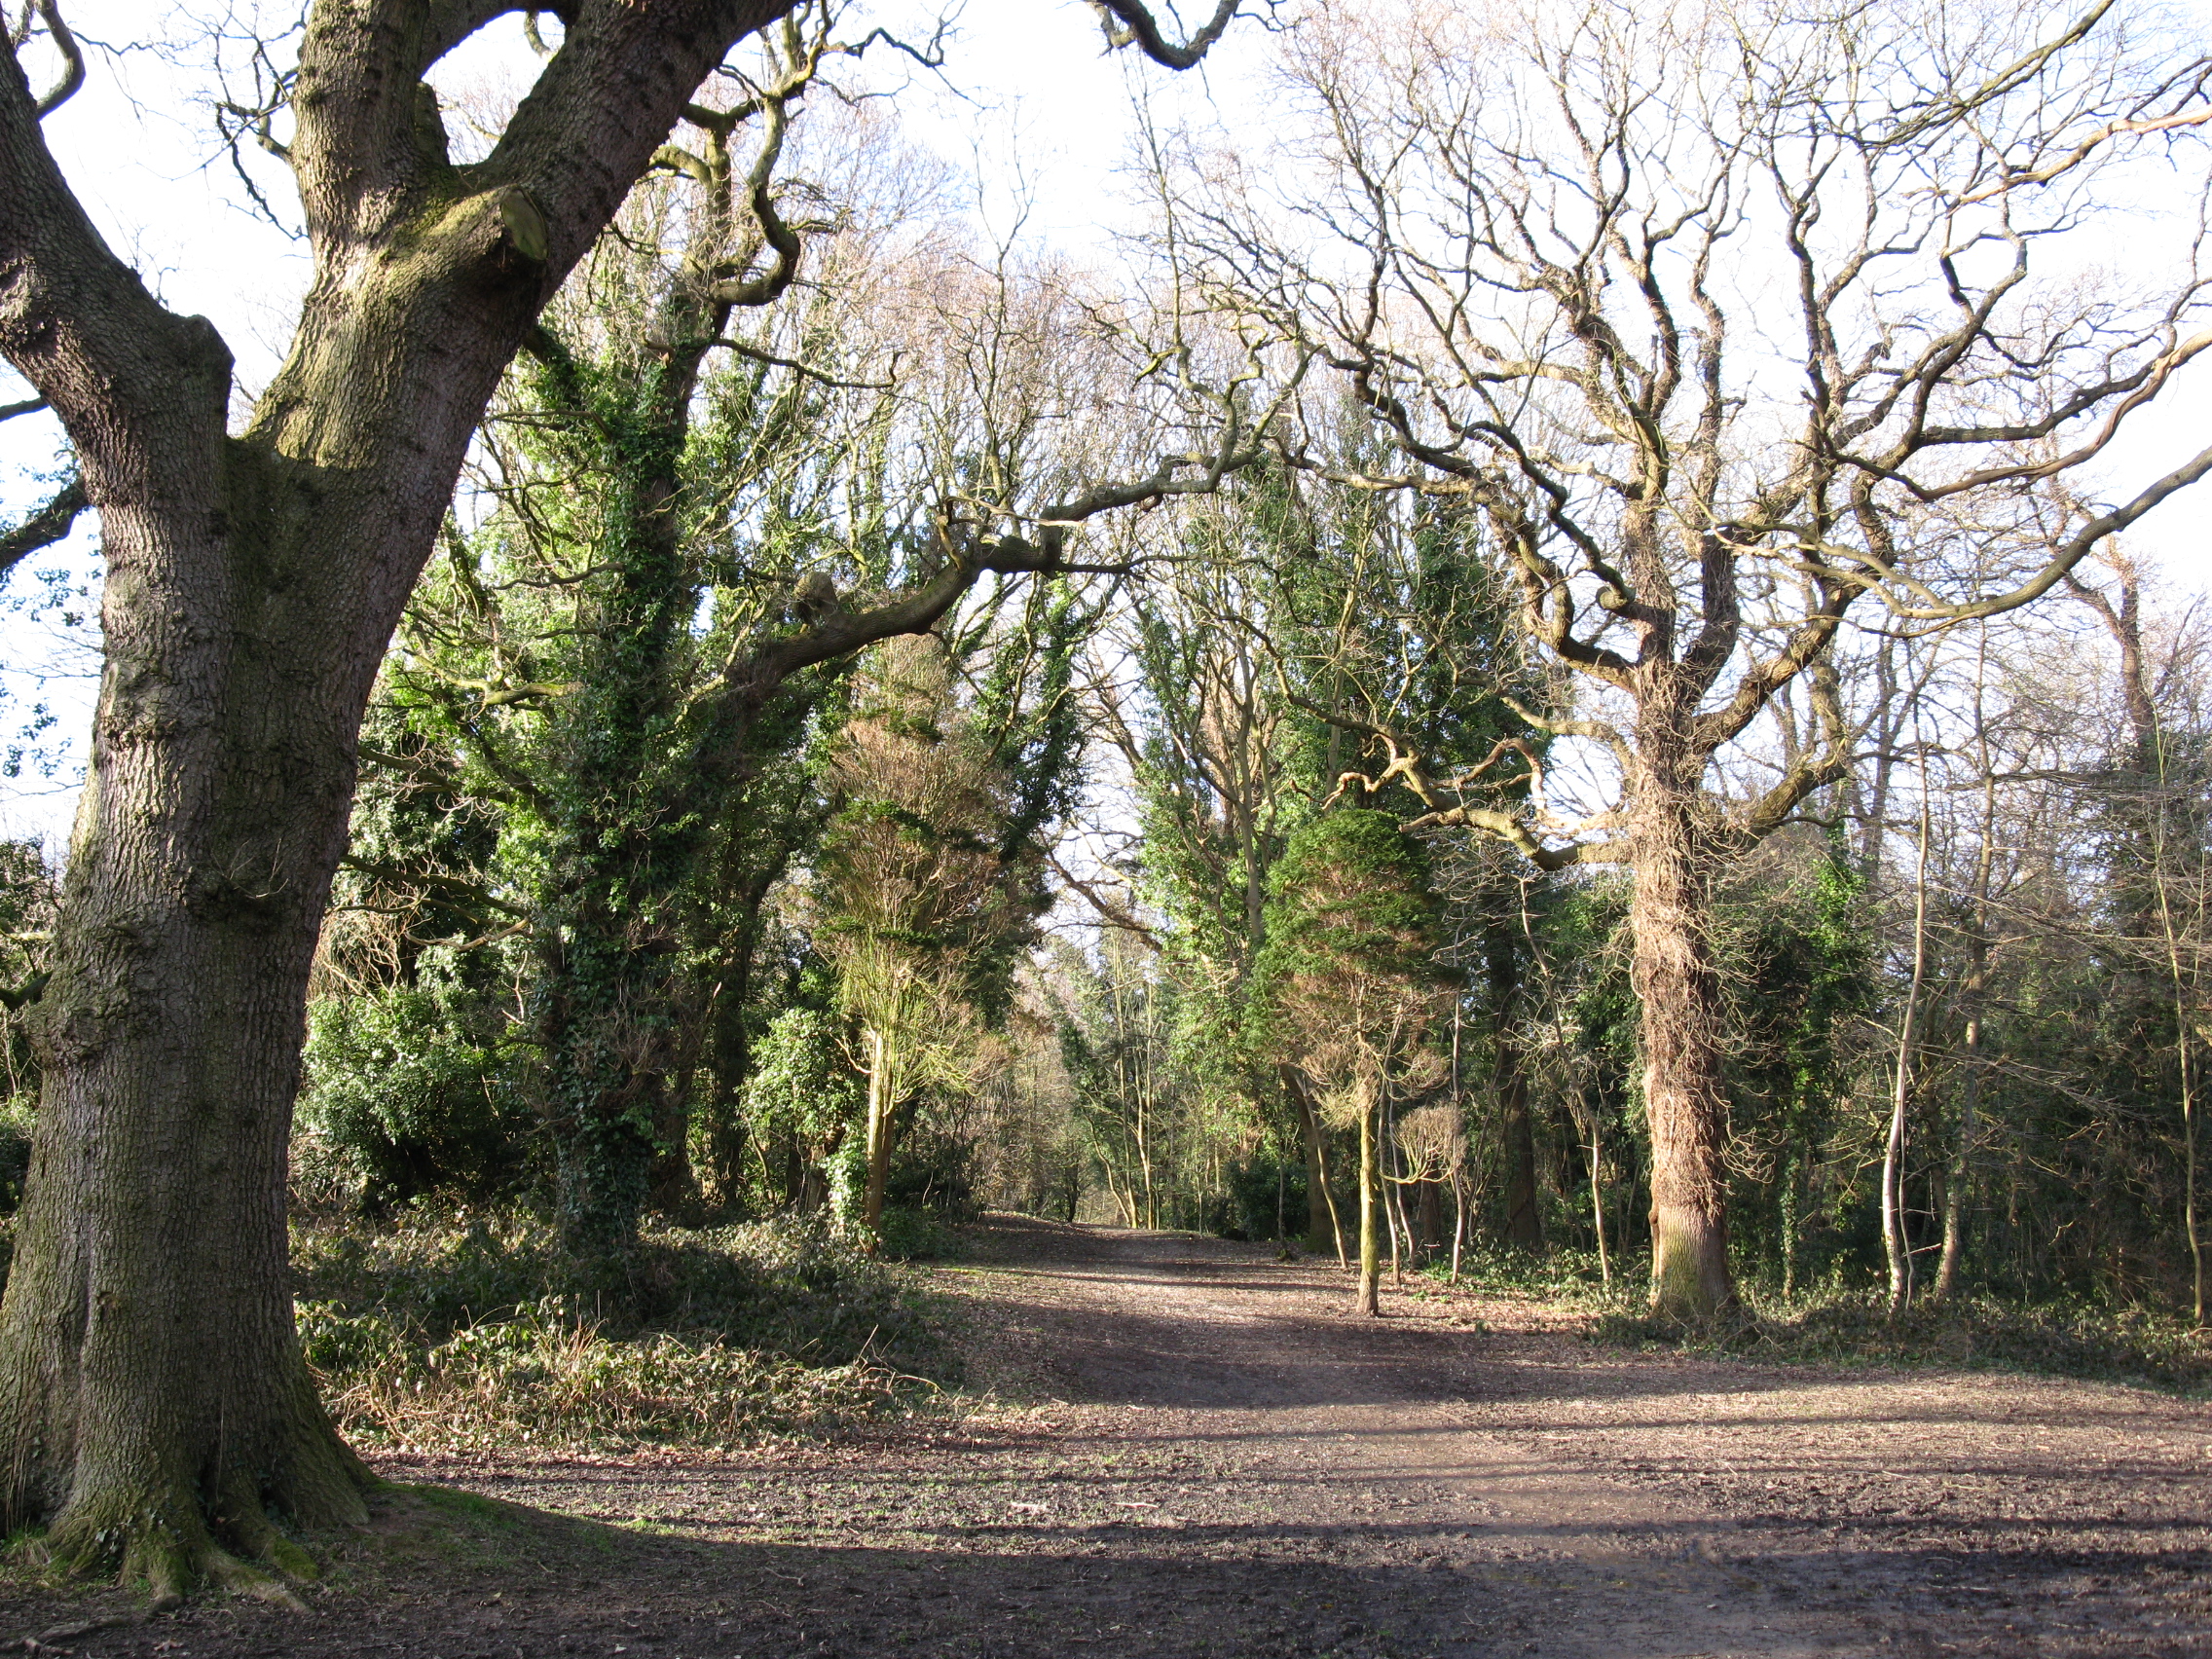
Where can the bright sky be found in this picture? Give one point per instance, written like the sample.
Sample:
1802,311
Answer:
140,145
1036,98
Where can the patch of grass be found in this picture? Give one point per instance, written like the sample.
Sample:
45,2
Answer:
472,1504
461,1332
2088,1340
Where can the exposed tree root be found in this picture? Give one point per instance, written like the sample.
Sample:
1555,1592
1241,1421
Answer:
243,1578
248,1528
171,1550
170,1535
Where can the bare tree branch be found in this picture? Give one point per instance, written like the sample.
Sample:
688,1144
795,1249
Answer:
49,13
44,528
1138,28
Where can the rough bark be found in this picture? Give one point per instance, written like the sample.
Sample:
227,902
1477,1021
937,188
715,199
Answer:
154,1406
1685,1094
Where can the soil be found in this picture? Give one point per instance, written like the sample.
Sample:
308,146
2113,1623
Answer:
1189,1448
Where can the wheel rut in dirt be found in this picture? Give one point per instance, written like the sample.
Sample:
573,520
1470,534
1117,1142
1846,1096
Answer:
1194,1449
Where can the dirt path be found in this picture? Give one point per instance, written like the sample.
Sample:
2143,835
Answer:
1202,1455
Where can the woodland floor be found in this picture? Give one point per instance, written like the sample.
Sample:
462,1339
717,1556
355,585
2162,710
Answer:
1192,1450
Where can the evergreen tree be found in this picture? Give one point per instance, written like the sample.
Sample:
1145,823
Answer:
1352,986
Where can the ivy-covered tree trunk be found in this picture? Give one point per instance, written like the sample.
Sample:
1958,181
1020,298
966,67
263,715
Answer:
1681,1019
623,832
604,1022
155,1411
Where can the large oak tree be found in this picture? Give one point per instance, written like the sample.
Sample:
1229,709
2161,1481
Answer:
1723,319
154,1408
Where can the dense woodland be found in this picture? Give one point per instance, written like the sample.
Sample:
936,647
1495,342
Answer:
1548,664
1206,887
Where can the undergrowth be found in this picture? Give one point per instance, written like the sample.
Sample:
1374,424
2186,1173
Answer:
2095,1341
1568,1278
1834,1325
461,1332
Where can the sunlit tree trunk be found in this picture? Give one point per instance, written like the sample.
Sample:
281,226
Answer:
1972,989
1366,1294
1323,1229
1598,1207
1895,1241
879,1142
1682,1016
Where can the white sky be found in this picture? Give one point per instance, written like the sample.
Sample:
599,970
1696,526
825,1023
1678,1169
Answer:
138,143
1040,102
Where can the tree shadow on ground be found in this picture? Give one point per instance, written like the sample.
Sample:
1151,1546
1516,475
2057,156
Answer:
452,1574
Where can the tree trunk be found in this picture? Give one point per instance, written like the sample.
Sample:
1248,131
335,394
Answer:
1896,1242
879,1137
1598,1208
1948,1269
1684,1092
1524,1219
1458,1223
1367,1293
1429,1206
1322,1231
607,1029
154,1403
1393,1197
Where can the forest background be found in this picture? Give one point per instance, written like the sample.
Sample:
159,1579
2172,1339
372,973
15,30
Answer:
1177,890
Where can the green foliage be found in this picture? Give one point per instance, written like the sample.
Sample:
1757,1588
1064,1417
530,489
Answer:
2070,1338
1566,1275
1380,610
1027,708
464,1332
1349,977
915,1236
399,1100
803,1089
572,668
919,899
1797,941
19,1117
1263,1196
931,1175
1351,895
27,895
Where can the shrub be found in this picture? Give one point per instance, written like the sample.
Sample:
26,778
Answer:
1852,1327
932,1172
459,1332
402,1102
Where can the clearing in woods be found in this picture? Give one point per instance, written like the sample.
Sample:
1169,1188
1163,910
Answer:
1194,1451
